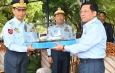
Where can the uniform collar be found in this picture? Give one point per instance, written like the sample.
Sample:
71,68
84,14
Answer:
17,21
62,25
90,22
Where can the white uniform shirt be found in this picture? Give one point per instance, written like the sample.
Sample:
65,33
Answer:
14,35
65,31
92,43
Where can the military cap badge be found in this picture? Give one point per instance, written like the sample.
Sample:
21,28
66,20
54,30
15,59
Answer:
59,10
19,4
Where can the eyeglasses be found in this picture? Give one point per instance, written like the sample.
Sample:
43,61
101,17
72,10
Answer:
84,11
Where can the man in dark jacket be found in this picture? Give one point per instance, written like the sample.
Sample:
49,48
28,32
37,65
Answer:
108,27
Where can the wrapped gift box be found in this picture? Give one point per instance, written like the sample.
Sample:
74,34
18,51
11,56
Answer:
51,44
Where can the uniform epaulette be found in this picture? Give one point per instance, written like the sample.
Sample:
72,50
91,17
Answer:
88,24
92,22
49,26
11,22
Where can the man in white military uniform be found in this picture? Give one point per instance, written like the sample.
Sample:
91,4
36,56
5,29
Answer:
60,60
15,38
91,46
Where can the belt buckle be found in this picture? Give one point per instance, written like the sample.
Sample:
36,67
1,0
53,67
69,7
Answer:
84,61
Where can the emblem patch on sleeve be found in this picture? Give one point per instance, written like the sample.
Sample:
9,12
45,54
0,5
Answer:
10,31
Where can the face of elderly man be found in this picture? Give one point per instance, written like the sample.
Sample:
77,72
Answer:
86,13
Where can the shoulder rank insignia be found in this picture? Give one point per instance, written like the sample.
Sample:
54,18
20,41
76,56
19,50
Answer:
87,24
10,22
32,29
66,29
17,30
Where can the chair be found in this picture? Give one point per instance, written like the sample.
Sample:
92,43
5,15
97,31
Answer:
74,64
110,49
109,60
2,52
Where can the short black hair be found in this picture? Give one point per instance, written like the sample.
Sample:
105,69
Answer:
93,6
102,13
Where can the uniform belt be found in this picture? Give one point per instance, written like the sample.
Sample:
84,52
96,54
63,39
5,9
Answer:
90,59
7,50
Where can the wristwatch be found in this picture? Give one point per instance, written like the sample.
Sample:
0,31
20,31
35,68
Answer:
64,49
49,55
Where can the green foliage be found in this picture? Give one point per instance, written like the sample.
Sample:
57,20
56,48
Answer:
1,2
34,12
2,20
40,29
34,61
108,7
5,15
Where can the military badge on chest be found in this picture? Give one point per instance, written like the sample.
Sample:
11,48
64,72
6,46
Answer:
16,30
25,28
32,29
66,29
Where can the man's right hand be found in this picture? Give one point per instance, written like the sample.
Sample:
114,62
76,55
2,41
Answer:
29,48
50,60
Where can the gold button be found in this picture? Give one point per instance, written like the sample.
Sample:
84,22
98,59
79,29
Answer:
84,61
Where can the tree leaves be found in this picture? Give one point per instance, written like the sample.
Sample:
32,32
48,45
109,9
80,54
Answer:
34,12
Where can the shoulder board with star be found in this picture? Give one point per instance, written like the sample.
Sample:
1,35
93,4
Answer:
88,24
